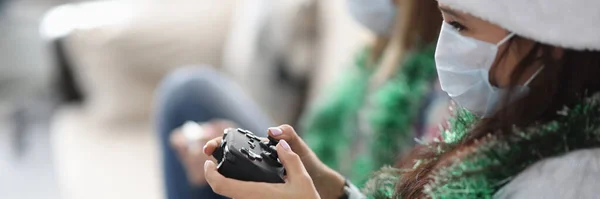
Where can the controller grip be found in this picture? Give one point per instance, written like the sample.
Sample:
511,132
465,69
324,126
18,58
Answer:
219,151
218,154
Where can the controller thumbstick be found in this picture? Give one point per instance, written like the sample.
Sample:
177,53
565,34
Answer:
272,141
273,149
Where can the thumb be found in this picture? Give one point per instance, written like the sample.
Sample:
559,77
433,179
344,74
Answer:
291,162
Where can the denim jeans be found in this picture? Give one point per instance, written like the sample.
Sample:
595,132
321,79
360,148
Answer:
199,94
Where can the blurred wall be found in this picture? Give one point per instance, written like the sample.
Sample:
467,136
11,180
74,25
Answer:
26,168
24,64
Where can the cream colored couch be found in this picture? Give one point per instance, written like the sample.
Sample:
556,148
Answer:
120,50
106,147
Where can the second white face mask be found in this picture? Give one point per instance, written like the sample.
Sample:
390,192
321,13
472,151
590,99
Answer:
463,66
376,15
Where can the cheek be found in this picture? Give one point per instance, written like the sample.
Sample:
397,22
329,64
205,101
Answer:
503,66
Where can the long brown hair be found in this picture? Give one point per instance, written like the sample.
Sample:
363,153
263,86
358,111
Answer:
417,24
563,82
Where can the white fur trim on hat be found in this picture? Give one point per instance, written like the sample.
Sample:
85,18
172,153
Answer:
573,24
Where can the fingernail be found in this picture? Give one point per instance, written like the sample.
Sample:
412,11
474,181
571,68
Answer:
206,165
285,145
204,149
275,131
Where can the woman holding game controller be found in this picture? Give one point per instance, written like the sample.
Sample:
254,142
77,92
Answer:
525,74
362,106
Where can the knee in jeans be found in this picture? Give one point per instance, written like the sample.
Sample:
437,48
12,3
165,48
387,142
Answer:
187,80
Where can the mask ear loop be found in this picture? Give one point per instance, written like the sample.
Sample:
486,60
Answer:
508,37
534,76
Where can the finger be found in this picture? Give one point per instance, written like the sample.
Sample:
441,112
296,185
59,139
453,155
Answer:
237,189
212,145
287,133
291,161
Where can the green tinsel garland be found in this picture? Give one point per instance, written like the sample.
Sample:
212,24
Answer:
325,128
331,128
399,104
480,174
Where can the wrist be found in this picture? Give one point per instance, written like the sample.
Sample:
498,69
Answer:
329,184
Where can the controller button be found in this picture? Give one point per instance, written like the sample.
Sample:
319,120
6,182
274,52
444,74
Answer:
273,141
253,156
242,131
265,154
268,157
252,146
249,136
258,158
244,151
264,145
272,155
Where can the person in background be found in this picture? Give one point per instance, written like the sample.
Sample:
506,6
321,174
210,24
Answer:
526,80
389,97
363,109
198,94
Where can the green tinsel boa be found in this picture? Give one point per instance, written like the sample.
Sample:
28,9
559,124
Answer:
480,174
331,128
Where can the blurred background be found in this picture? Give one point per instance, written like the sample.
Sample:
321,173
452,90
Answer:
77,80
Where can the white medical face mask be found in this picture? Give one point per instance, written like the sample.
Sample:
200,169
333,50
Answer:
463,66
376,15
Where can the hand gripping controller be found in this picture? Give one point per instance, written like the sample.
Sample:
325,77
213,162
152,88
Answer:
244,156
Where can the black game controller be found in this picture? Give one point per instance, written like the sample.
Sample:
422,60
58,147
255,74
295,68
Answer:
244,156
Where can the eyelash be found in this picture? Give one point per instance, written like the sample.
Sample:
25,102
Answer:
458,26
